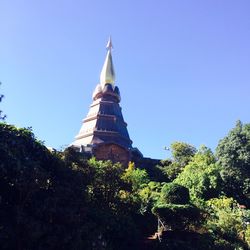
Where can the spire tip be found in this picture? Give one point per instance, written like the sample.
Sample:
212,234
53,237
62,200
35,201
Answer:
108,73
109,44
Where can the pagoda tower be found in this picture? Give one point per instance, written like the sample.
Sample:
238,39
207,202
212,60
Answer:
104,132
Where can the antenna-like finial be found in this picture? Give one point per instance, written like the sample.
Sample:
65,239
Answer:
108,72
109,44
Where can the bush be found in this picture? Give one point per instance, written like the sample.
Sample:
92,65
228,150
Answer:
177,217
174,193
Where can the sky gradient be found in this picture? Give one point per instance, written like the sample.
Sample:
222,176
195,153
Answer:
183,67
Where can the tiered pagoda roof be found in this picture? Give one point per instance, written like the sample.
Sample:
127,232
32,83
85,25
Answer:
104,123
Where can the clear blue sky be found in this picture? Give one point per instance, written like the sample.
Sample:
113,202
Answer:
183,67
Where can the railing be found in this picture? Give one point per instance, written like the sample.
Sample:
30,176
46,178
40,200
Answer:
160,228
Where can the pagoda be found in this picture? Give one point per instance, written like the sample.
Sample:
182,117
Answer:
104,132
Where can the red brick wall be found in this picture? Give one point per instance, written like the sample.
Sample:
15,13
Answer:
112,152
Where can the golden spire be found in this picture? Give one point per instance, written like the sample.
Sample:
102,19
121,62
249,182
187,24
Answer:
108,73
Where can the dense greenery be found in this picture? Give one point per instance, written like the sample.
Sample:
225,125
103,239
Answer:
182,153
201,176
233,153
62,200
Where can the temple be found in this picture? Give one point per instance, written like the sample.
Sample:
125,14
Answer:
104,132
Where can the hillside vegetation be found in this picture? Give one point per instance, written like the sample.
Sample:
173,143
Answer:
61,200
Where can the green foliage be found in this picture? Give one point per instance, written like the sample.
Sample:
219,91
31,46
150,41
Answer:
149,195
225,217
233,153
104,181
182,154
135,176
40,199
174,193
54,201
151,166
136,193
171,171
247,235
173,208
201,176
63,200
178,217
234,149
151,191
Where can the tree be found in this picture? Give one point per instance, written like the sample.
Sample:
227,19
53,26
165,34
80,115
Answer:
201,176
226,217
149,195
42,201
182,154
178,217
174,193
174,208
105,182
60,200
135,176
233,153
